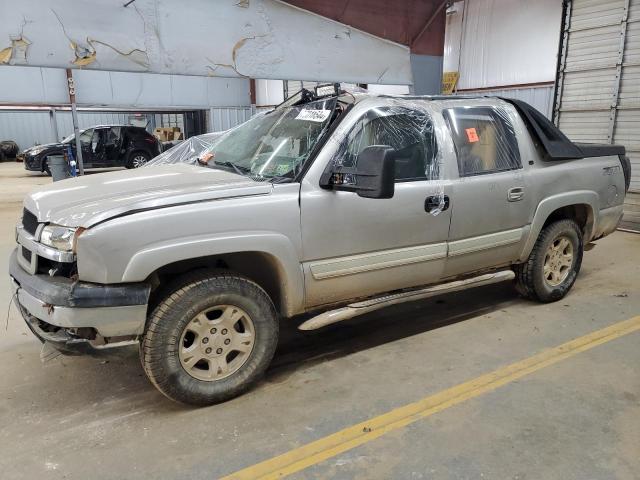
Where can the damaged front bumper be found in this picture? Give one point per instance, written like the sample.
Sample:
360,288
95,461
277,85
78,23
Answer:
79,317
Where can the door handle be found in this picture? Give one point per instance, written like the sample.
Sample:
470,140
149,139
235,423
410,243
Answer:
433,203
515,194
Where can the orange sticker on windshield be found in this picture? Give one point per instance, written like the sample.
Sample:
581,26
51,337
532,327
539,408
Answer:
472,135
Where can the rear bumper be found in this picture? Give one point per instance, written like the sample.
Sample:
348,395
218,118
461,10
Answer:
56,308
608,221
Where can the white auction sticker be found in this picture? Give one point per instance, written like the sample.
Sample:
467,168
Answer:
313,115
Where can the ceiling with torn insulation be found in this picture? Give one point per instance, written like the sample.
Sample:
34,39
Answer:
227,38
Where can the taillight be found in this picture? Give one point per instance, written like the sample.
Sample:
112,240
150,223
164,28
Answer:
626,169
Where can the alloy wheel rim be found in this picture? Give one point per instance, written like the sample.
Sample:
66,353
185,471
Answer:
216,342
139,160
558,261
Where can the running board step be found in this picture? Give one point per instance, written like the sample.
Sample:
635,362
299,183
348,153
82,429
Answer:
360,308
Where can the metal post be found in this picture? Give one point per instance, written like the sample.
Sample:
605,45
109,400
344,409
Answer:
54,124
616,85
562,63
74,116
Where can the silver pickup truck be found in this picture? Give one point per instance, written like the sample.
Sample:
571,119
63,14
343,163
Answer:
332,205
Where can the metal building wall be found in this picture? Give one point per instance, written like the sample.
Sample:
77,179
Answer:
26,128
125,93
227,117
540,97
88,119
598,92
502,43
32,127
504,48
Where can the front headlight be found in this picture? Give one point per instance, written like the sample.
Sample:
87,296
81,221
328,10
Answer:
36,151
62,238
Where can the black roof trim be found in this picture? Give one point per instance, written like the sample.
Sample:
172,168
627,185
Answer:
435,97
600,150
556,143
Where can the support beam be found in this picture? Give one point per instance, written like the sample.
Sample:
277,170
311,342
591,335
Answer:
428,23
74,116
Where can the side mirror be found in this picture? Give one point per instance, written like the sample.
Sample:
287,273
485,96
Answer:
372,177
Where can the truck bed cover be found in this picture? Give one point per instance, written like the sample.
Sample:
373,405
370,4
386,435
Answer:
555,143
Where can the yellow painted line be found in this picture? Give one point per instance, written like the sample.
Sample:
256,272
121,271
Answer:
356,435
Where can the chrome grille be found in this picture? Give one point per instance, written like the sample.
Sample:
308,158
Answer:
29,222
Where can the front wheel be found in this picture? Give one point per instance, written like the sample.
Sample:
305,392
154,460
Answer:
210,339
554,263
45,167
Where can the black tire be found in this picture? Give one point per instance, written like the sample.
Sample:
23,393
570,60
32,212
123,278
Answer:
9,148
131,161
192,294
530,277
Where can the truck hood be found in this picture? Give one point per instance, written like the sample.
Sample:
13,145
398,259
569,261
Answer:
87,200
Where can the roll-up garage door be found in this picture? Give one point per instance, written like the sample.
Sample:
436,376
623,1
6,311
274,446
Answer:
598,84
294,86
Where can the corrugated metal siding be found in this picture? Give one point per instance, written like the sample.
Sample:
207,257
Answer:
540,97
294,86
631,218
599,82
26,128
224,118
89,119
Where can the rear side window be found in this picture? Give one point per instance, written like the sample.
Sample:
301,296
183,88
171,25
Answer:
484,139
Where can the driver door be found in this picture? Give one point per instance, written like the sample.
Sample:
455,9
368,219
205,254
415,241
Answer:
98,147
357,247
87,144
112,146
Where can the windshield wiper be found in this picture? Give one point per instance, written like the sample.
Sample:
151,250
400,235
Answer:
238,170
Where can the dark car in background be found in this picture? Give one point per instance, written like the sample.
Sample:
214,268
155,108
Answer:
102,146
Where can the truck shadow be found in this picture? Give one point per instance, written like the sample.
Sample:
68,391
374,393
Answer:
298,349
118,383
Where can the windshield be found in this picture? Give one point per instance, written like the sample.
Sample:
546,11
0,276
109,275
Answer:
71,137
275,144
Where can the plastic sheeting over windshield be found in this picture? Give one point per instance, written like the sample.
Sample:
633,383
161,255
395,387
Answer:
187,151
409,129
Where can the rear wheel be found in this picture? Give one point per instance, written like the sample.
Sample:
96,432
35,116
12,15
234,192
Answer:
210,339
138,159
554,263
